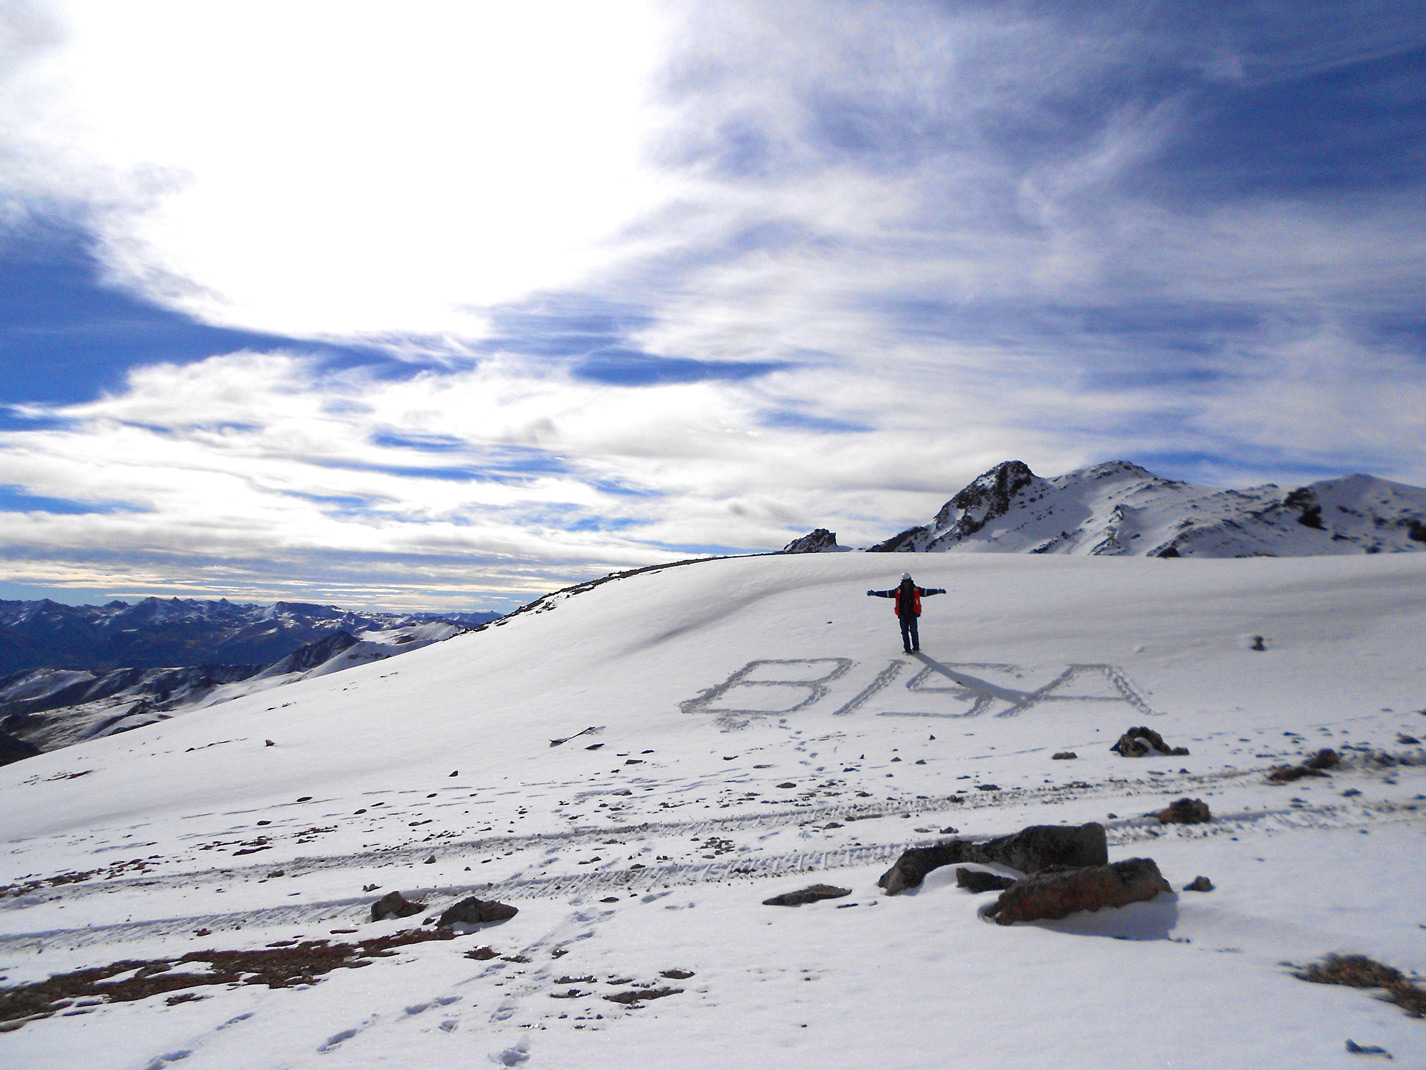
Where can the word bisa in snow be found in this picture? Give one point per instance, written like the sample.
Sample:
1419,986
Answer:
773,687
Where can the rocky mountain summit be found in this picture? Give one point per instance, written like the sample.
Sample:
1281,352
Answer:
1121,509
820,541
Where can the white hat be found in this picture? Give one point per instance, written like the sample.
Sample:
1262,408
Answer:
906,575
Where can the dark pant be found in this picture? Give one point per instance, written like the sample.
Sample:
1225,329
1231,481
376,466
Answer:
909,638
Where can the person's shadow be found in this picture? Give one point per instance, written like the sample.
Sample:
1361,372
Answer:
973,683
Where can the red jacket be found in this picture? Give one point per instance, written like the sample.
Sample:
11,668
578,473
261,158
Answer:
915,601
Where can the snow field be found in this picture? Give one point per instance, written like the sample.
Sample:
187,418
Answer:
1192,980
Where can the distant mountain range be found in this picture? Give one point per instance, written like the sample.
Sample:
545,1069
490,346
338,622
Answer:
1121,509
69,673
157,633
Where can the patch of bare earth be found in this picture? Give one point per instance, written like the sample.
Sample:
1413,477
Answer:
1358,971
121,982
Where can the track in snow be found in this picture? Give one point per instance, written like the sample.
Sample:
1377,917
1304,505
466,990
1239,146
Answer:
745,865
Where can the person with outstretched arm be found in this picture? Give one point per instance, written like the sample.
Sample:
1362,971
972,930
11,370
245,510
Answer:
908,607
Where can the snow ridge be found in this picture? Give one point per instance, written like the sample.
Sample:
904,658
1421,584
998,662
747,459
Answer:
1122,509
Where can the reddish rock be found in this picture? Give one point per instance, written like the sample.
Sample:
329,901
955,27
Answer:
1185,812
1062,890
1314,766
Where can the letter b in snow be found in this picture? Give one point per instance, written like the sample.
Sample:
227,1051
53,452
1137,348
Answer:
768,687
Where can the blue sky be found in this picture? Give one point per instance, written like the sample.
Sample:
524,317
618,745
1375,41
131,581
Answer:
452,308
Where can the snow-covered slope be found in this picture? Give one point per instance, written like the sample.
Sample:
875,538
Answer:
1121,509
750,726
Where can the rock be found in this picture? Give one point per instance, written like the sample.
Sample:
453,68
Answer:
473,911
1410,741
638,995
810,894
1059,891
1286,774
1142,740
915,862
1326,758
1185,812
394,905
1366,1049
1040,846
1063,756
1314,766
1029,850
977,880
1199,884
820,541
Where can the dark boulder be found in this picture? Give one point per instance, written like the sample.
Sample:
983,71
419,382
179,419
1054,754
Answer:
1029,850
1060,891
978,880
1199,884
1185,812
915,862
1141,741
1286,774
1063,756
473,911
394,905
810,894
1041,846
1317,765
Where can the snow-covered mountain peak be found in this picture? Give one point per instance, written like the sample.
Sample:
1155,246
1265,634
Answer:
1121,508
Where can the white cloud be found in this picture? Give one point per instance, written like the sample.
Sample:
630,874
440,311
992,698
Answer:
341,167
